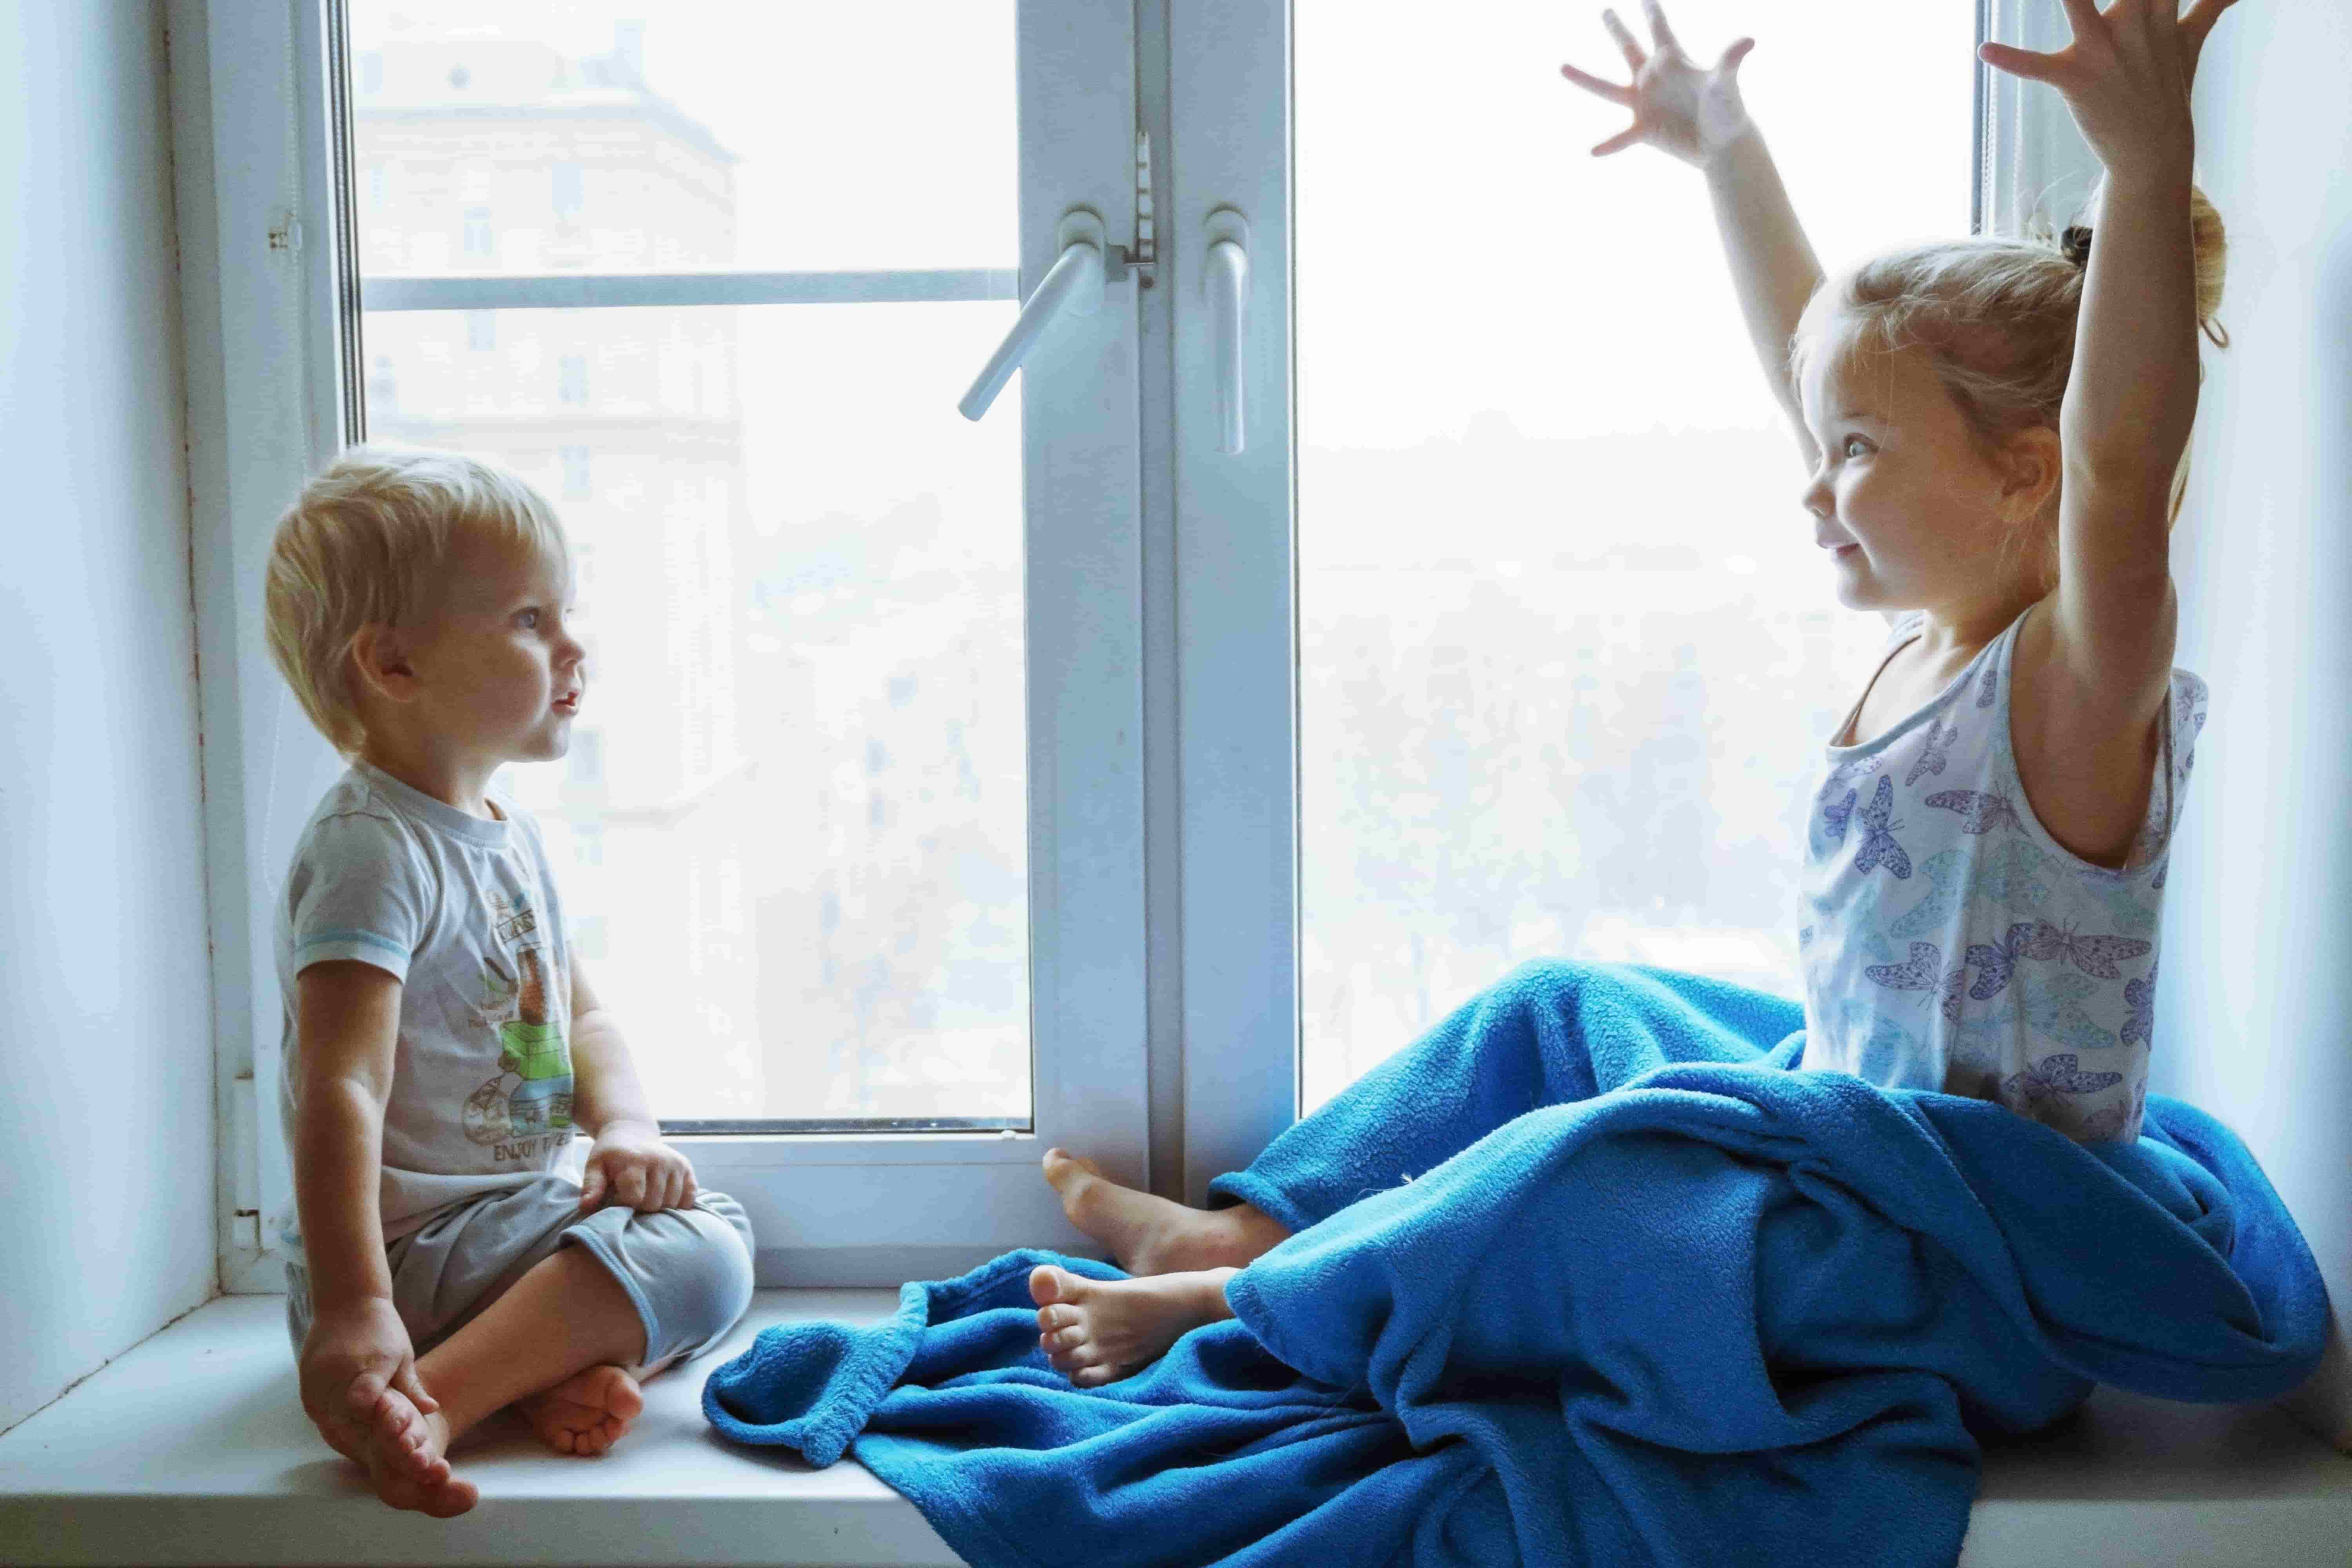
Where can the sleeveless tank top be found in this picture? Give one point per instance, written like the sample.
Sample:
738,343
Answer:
1948,943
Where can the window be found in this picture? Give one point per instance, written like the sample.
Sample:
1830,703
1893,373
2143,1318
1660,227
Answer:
571,379
577,486
569,192
892,710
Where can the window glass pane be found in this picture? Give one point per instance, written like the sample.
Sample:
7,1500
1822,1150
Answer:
530,135
1566,649
791,830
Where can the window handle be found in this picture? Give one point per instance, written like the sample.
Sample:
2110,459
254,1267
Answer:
1226,281
1073,286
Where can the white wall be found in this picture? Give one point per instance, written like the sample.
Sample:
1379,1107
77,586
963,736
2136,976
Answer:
106,1067
2256,1019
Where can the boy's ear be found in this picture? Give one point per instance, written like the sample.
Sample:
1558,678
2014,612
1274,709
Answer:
380,656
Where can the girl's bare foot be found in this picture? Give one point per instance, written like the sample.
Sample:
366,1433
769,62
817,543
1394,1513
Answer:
407,1459
587,1412
1094,1331
1148,1233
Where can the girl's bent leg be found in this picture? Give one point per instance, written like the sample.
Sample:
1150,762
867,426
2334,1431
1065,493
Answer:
1547,1033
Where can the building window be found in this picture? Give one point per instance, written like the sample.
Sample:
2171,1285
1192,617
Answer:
571,191
571,379
588,939
481,331
383,386
478,241
585,760
576,485
371,70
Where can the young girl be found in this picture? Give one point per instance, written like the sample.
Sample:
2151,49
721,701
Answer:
1994,431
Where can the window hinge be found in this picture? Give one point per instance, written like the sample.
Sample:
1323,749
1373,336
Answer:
285,232
1145,254
244,1163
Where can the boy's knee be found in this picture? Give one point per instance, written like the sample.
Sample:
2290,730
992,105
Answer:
711,1286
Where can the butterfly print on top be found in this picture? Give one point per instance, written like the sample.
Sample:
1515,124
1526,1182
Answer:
2057,1074
1878,844
1981,811
1934,753
1925,972
2139,996
2009,967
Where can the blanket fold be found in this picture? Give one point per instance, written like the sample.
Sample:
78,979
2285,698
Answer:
1589,1276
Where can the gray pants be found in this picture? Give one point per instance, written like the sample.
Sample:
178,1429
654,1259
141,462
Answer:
687,1271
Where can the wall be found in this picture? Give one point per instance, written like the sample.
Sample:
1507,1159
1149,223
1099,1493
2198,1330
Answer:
2256,1011
106,1125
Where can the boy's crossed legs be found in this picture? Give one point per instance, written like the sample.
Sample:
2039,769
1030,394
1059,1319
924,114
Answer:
570,1302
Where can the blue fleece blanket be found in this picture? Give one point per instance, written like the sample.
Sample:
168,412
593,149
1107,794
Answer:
1668,1300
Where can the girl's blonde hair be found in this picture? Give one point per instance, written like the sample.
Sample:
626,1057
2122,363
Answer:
1997,319
368,543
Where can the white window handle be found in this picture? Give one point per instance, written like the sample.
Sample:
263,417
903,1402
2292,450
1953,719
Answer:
1226,281
1073,286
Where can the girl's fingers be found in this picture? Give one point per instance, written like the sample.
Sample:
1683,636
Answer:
1732,55
2019,62
1619,143
1593,84
1664,35
2082,15
1625,41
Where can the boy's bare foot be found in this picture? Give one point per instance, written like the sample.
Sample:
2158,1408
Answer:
406,1462
586,1412
1094,1331
1148,1233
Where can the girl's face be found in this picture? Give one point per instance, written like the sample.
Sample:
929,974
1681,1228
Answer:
1913,515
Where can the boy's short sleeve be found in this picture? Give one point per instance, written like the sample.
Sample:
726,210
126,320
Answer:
358,889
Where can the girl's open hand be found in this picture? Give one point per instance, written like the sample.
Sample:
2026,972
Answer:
2125,76
1678,107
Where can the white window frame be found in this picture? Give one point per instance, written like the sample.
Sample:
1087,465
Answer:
1163,692
270,361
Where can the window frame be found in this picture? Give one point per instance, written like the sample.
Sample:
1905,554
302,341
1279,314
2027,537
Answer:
274,321
1164,753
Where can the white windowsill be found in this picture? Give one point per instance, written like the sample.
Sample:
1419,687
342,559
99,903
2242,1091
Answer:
191,1449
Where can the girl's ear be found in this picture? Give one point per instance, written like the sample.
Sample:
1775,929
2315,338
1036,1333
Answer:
2033,463
381,656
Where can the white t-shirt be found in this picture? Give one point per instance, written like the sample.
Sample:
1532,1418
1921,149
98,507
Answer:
464,913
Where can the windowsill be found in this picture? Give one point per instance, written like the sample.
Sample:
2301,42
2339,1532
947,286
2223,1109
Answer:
190,1448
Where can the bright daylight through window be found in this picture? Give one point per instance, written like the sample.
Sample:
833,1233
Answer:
792,822
1567,651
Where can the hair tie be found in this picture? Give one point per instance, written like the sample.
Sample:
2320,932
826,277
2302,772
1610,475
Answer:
2075,245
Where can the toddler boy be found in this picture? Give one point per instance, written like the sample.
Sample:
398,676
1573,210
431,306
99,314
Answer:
441,1041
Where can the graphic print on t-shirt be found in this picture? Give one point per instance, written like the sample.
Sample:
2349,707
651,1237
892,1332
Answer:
529,1105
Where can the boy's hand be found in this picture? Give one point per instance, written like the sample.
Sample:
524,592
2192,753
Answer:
352,1355
631,1164
1679,106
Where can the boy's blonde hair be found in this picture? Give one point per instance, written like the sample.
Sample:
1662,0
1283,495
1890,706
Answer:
366,543
1997,319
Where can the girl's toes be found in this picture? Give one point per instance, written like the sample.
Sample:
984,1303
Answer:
1048,1285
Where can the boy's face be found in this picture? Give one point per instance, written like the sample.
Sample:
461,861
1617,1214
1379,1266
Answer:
498,671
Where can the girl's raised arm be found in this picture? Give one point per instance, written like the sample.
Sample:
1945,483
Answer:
2132,396
1697,116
